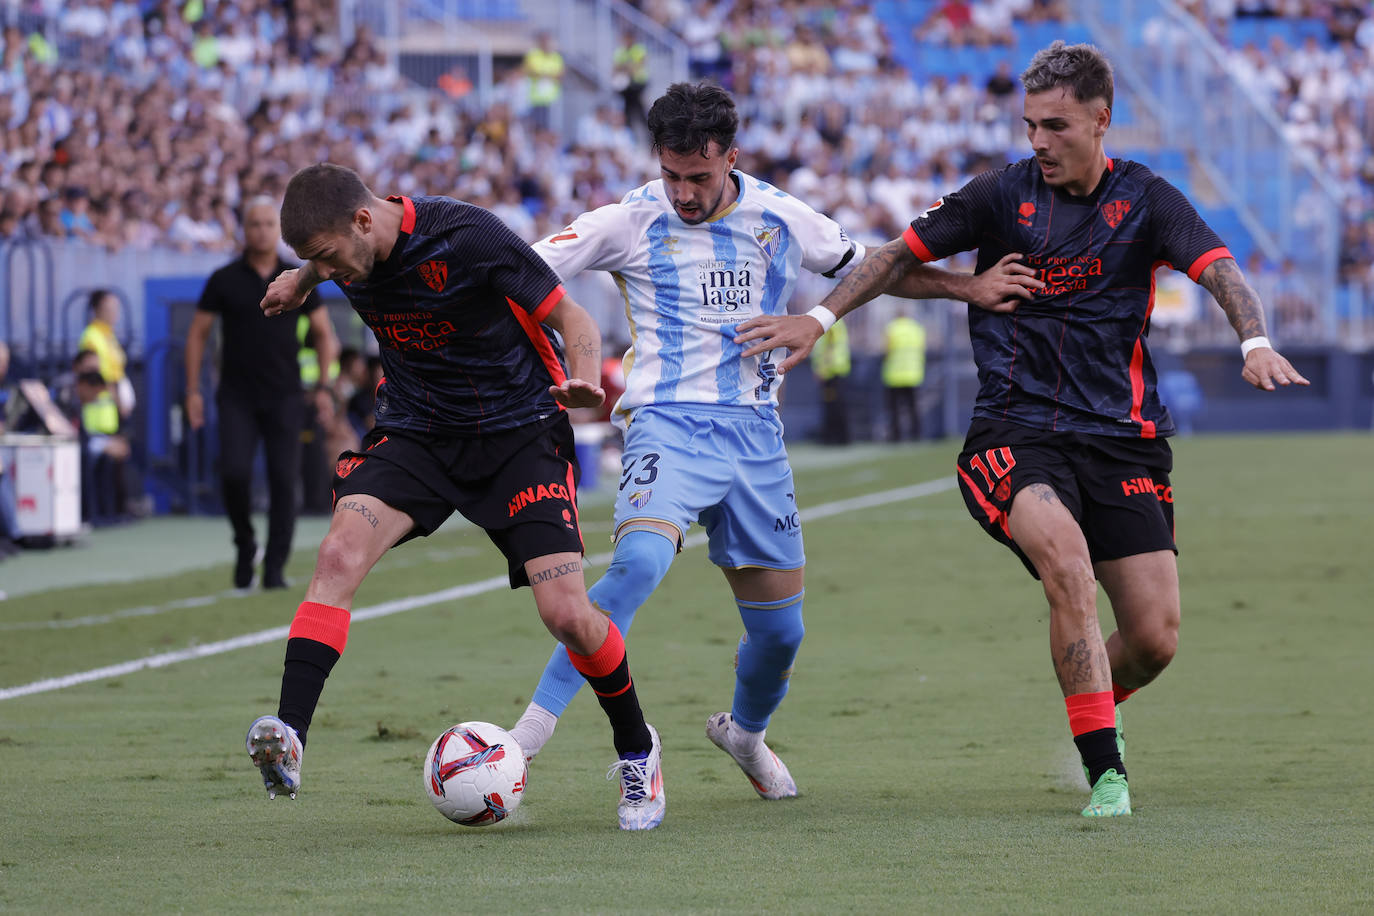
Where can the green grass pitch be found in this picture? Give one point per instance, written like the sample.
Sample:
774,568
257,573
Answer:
924,727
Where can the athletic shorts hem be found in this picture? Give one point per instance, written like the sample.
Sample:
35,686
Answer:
640,524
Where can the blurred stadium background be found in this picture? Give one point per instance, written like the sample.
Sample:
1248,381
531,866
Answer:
132,131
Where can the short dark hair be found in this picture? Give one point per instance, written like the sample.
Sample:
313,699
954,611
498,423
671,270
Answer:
687,117
97,296
321,198
1083,68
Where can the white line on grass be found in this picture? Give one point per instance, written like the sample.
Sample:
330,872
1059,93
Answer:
386,609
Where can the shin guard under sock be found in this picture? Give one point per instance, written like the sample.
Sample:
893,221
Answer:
607,670
316,640
773,633
1092,719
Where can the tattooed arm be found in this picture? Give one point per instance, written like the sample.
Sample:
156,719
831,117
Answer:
891,270
1264,367
582,348
874,275
998,289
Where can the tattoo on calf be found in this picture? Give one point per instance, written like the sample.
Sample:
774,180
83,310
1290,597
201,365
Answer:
1077,663
368,515
556,572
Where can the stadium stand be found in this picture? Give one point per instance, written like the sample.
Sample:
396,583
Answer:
131,130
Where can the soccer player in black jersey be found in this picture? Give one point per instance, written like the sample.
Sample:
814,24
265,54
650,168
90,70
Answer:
1065,460
470,416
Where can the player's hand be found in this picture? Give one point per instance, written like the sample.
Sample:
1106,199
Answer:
1265,368
1002,286
195,410
576,393
281,295
797,333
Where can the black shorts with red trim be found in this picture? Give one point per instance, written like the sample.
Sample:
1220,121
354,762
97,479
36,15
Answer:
1117,489
518,485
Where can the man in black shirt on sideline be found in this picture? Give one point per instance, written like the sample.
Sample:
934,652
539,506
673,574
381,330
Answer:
1066,461
259,393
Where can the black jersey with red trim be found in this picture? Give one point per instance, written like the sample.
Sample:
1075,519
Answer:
457,308
1075,356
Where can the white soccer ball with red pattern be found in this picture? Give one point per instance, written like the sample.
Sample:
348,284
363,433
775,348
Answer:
475,774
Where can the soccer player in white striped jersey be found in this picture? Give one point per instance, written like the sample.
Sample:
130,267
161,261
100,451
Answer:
694,253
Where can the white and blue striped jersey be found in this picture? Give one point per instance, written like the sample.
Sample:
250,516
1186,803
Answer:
687,286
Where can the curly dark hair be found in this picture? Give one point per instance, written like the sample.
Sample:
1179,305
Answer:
689,117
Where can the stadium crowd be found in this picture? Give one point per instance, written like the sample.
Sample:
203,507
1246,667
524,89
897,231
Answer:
1322,88
154,138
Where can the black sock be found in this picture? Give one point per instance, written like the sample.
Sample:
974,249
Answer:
1099,753
308,663
616,694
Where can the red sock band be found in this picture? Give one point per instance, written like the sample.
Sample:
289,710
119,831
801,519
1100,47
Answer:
323,623
1121,694
1090,711
603,661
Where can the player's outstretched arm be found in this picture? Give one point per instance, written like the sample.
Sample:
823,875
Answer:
1000,288
873,276
288,291
1264,366
582,348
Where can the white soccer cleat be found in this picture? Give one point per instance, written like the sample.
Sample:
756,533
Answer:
276,752
642,801
768,775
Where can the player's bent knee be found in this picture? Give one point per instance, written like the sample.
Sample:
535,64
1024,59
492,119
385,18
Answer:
338,558
641,560
776,631
1156,653
1069,582
778,645
569,617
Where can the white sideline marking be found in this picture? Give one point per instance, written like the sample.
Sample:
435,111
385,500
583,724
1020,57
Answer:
146,610
388,608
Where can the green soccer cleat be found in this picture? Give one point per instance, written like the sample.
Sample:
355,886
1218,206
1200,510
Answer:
1111,797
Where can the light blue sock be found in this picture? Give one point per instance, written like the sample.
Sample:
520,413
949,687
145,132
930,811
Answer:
640,562
773,633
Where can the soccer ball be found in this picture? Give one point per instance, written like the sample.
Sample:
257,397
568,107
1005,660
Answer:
475,774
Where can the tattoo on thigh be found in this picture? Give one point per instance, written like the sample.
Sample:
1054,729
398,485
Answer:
368,515
556,572
1044,492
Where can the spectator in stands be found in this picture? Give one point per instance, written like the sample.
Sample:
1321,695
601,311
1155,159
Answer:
702,30
630,77
950,23
63,387
543,70
75,214
105,451
904,370
104,309
259,371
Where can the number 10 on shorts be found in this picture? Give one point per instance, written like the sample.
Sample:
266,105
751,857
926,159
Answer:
994,464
